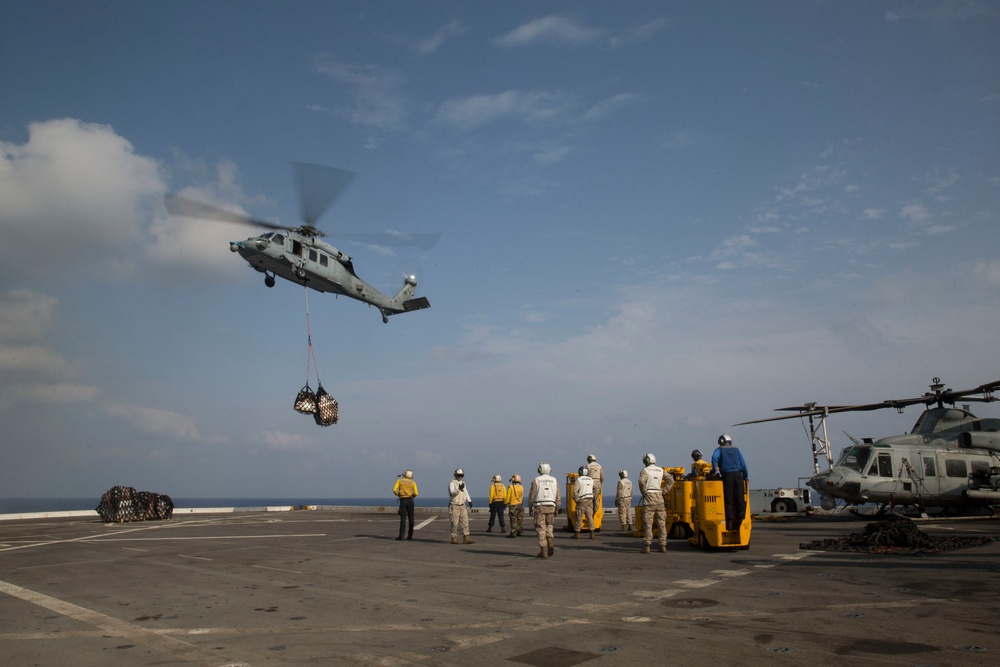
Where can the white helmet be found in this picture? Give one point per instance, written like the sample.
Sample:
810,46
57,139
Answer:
591,458
583,471
459,472
649,459
544,468
623,473
496,478
725,440
408,474
515,478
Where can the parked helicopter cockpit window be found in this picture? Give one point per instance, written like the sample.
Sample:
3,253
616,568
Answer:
929,470
955,468
855,458
885,465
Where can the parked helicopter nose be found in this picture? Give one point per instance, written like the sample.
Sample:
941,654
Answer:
828,502
234,246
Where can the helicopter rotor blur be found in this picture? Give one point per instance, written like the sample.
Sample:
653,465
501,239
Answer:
950,458
300,255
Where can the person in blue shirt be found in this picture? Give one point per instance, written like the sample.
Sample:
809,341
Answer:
728,460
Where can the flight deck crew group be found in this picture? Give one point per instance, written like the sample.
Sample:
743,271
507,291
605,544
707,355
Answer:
544,499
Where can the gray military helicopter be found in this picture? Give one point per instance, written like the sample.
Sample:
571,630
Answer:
299,255
950,459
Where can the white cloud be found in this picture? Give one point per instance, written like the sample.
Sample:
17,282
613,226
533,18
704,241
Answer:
77,192
610,106
470,112
873,213
159,422
434,42
376,92
284,442
553,29
915,212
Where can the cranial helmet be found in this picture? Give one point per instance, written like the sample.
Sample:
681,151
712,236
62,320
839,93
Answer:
408,474
696,454
591,458
583,471
623,473
515,478
725,440
496,478
459,472
544,468
649,459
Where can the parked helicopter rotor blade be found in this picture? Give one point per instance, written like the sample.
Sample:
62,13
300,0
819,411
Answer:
188,208
319,186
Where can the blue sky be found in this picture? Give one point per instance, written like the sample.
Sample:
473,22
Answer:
657,219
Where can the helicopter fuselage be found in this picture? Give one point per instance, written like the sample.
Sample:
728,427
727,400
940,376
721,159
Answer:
933,465
316,264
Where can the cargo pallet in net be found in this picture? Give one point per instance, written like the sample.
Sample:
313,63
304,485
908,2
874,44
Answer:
123,503
320,404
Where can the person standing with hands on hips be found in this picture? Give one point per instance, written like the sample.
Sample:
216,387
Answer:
406,490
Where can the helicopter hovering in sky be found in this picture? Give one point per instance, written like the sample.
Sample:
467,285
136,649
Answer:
950,458
300,255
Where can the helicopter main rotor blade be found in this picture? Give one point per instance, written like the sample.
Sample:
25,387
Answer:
319,186
188,208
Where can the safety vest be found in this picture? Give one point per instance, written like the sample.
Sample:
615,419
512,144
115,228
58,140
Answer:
595,471
546,488
497,492
625,489
654,479
515,494
405,488
583,488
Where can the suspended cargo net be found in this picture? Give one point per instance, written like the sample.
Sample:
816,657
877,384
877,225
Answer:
121,504
896,535
320,404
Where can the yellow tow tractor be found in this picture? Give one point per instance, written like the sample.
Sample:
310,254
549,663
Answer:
680,502
708,514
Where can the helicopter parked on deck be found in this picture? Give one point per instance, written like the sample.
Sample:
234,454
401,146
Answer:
299,255
950,458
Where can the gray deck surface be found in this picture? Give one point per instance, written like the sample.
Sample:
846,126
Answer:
333,587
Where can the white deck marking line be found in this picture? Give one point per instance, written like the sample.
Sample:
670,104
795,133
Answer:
423,523
277,569
720,575
209,537
169,645
195,557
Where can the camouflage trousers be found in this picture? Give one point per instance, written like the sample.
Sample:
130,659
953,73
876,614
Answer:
624,513
584,510
516,516
651,513
545,518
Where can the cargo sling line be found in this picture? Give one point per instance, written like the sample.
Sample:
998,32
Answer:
320,404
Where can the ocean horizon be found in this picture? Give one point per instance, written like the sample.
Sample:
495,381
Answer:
26,505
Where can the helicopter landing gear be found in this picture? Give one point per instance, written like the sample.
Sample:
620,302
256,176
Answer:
300,273
385,320
269,280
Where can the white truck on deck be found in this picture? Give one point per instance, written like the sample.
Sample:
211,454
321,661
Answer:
778,501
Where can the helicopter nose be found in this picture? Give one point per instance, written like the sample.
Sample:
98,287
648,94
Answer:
234,246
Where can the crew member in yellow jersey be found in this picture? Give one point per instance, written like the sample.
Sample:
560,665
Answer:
406,490
515,505
498,495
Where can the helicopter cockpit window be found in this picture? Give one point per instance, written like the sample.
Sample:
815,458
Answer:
855,458
885,465
979,466
279,239
955,468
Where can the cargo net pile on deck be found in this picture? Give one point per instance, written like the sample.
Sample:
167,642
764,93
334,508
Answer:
123,503
895,535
